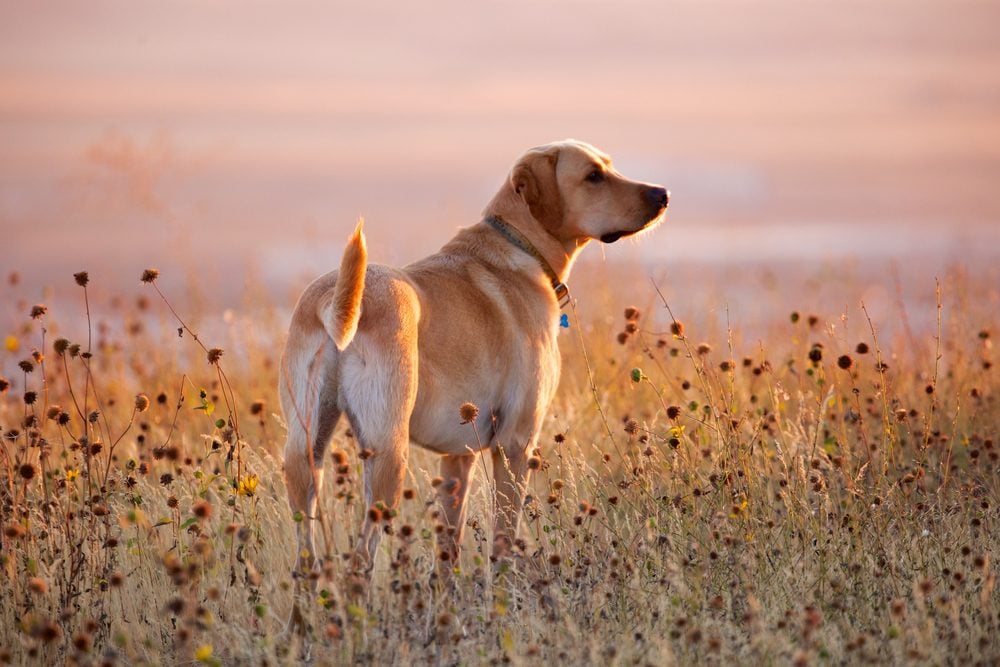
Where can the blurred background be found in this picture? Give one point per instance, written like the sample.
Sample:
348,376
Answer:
227,143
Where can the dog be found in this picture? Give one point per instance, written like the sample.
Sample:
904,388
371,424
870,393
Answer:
399,350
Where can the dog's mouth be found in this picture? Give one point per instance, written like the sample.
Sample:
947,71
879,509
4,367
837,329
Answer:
611,237
614,236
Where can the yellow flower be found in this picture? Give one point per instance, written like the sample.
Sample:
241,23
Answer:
12,343
247,486
72,474
677,431
203,653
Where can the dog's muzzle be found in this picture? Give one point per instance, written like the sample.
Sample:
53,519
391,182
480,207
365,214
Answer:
657,198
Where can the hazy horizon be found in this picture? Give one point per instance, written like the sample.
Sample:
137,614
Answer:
230,136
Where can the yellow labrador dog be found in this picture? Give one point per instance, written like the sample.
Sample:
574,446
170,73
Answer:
399,350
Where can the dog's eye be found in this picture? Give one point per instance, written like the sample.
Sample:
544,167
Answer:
595,176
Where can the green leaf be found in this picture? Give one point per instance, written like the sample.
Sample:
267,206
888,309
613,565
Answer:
220,423
191,521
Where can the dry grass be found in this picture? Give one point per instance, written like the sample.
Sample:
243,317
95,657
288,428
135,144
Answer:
805,499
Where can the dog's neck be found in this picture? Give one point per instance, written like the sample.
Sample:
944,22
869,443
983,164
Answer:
559,255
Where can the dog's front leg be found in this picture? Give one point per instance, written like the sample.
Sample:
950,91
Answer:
456,473
510,475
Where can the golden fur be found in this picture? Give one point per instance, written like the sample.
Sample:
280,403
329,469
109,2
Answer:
399,350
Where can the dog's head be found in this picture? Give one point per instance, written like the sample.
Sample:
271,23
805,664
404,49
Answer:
575,193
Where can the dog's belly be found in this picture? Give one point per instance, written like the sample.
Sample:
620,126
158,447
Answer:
436,422
508,398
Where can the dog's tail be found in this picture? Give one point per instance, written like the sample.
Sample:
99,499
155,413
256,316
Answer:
340,314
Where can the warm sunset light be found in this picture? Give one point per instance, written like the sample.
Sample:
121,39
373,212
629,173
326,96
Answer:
475,333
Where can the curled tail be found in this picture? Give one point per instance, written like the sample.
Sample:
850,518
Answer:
340,314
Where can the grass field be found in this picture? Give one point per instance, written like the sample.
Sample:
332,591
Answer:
815,494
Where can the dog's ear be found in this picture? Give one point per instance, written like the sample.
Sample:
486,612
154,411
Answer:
534,178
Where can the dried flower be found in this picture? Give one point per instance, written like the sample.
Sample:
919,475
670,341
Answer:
677,328
150,275
632,313
82,278
469,412
141,402
214,355
38,310
844,361
202,509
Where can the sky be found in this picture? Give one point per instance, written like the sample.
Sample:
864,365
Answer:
231,139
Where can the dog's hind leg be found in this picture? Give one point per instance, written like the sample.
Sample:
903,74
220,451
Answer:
378,391
308,390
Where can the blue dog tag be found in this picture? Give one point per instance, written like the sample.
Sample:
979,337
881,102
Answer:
564,321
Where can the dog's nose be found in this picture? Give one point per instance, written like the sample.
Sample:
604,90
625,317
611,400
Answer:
658,196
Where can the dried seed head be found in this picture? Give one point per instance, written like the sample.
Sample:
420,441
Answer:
4,384
202,509
60,346
27,471
677,328
844,361
38,585
14,530
862,348
38,310
82,642
26,365
469,412
30,397
632,313
257,407
534,463
82,278
816,353
703,348
214,355
150,275
141,402
898,608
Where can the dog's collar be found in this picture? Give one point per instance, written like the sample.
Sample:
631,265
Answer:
520,240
